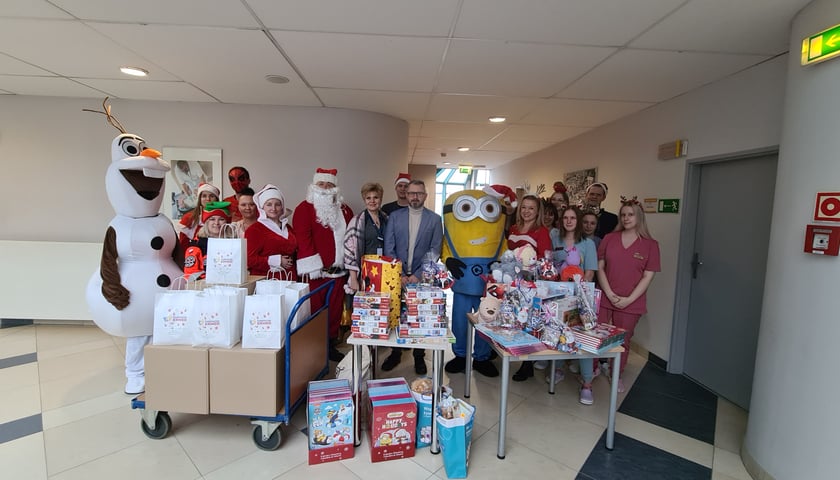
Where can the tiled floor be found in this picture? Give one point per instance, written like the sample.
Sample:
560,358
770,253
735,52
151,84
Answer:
63,416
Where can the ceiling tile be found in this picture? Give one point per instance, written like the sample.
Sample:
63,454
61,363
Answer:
414,127
242,80
46,86
448,145
515,69
89,54
486,159
392,17
412,144
405,105
581,113
12,66
229,13
478,108
524,148
149,90
591,22
30,9
373,62
540,133
477,132
655,76
722,26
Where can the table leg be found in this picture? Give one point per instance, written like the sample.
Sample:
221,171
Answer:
357,395
551,373
437,360
613,402
468,367
503,405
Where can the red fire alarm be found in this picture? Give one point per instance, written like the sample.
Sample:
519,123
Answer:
822,240
827,208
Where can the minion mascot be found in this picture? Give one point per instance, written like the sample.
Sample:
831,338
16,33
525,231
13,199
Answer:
474,234
139,250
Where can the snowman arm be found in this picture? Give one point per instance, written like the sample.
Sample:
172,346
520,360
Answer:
112,288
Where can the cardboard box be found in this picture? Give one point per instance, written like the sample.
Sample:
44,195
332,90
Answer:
177,378
330,421
247,381
393,421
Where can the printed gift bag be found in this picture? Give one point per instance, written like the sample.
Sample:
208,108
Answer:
382,274
421,390
455,425
171,323
217,317
292,294
227,260
263,325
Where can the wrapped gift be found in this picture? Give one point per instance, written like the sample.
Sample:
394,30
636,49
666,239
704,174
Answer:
382,274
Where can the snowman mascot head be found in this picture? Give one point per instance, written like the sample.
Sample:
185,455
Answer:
139,251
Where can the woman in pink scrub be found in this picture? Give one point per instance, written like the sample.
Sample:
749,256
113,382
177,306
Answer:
627,261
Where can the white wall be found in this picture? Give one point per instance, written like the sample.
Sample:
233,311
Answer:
793,424
54,155
742,112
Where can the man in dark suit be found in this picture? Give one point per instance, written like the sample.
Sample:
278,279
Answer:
410,234
595,195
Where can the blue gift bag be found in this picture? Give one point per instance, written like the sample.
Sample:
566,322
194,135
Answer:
455,436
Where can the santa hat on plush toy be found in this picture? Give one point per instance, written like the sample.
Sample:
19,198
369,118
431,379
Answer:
504,193
402,178
216,209
206,187
326,175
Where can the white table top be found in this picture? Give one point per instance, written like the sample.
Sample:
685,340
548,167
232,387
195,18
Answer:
429,343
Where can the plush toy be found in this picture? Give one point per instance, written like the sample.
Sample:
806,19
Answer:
488,309
526,256
139,250
571,266
504,271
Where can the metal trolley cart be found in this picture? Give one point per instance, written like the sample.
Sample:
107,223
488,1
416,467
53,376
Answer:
306,347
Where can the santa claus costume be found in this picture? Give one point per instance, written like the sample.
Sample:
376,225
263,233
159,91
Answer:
320,224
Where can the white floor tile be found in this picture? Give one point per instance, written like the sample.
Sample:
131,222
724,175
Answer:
5,332
216,441
60,336
406,468
19,403
519,462
150,459
87,408
24,458
87,361
82,386
17,343
263,465
12,378
324,471
672,442
729,463
730,426
76,348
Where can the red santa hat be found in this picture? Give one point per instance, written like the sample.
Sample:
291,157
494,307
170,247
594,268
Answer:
402,178
502,192
326,175
206,187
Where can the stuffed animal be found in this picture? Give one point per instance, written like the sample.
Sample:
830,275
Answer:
504,271
571,266
526,256
488,309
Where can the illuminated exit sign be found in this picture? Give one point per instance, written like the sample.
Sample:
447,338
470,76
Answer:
822,46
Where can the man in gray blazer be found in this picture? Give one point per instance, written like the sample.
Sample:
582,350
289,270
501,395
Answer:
410,234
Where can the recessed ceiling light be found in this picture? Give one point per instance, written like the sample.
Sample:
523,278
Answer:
134,71
447,163
279,79
463,149
497,119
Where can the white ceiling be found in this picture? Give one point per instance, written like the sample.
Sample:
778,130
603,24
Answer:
554,68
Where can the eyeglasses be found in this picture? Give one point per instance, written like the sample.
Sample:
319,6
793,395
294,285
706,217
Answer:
415,194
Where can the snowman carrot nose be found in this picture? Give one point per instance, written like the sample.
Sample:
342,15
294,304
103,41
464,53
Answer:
150,152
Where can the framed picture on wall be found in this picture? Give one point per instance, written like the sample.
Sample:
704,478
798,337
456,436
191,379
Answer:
576,183
190,167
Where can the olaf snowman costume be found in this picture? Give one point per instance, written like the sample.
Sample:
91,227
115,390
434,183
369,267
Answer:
139,250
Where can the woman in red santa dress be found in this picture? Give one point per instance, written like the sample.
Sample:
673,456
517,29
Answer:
271,241
321,223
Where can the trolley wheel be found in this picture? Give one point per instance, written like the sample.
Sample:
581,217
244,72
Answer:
272,443
163,424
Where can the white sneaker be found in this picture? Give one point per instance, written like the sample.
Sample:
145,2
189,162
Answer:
541,364
586,396
135,385
559,376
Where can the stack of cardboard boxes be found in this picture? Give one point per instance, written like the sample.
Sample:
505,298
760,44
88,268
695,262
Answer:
393,419
330,420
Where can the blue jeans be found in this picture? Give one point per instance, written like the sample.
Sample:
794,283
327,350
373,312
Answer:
461,305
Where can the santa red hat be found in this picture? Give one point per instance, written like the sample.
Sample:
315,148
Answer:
326,175
502,192
206,187
402,178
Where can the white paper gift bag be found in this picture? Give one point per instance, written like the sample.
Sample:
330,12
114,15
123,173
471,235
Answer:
217,317
264,323
226,261
172,311
292,293
271,286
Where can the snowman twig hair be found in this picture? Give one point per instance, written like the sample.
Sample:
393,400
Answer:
107,112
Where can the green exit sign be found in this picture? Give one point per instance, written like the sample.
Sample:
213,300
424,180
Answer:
668,205
465,170
822,46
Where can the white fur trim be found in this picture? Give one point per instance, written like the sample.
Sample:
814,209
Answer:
325,177
527,238
338,238
310,265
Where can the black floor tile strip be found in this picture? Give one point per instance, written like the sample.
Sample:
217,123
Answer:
15,322
18,360
634,460
20,428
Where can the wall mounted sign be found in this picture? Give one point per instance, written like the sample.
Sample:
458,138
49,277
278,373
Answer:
827,208
821,46
669,205
672,150
649,205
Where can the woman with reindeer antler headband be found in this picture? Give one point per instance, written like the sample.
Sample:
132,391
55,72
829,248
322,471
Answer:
627,261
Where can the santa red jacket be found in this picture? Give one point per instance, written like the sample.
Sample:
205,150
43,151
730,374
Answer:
318,246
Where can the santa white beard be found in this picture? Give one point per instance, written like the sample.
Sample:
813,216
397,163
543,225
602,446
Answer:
327,203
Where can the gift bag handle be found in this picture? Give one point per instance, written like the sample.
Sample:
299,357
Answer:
187,279
229,227
274,272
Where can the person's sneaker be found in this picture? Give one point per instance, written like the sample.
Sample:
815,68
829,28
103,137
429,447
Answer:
493,355
335,355
620,385
541,364
586,396
605,369
486,368
525,372
419,366
456,365
135,385
392,361
559,376
574,367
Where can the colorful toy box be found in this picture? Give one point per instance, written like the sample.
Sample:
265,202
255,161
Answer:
393,420
330,420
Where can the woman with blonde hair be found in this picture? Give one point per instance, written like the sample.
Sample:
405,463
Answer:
365,233
191,221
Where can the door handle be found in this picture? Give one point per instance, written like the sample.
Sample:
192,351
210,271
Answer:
695,262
